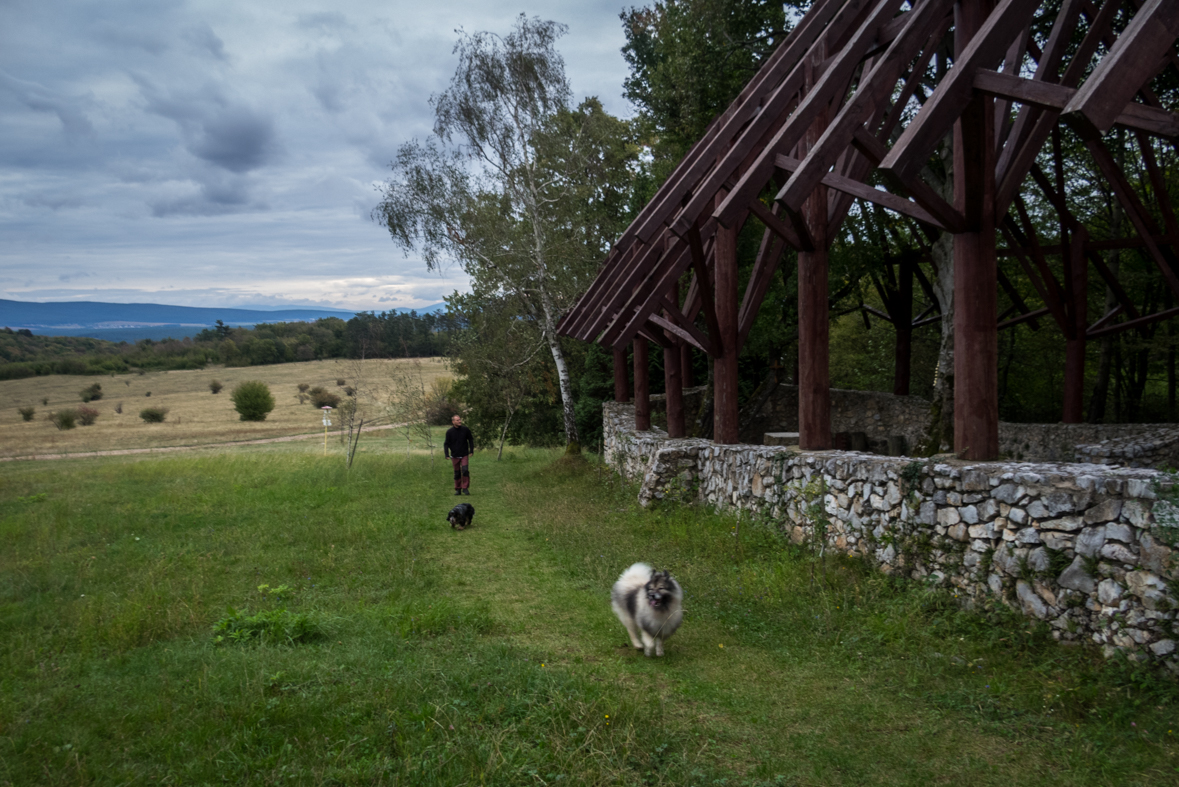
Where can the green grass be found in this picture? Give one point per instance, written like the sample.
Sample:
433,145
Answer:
265,617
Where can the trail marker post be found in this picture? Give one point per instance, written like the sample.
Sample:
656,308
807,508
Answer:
327,421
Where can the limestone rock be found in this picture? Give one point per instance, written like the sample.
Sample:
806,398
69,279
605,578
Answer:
1075,577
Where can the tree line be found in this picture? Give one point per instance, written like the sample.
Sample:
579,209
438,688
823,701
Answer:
368,334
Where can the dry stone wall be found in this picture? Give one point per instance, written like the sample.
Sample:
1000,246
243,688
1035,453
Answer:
1089,549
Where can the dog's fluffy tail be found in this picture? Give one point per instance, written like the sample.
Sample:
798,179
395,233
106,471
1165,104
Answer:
634,577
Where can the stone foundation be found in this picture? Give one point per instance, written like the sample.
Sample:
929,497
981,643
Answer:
1075,545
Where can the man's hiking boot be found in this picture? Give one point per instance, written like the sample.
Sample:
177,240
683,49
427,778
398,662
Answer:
466,492
458,492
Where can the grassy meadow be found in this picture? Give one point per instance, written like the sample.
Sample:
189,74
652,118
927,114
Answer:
263,616
195,415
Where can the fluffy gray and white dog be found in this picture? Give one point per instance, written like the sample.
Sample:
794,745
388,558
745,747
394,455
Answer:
650,604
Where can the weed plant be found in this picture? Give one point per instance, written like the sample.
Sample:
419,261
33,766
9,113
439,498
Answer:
153,415
362,641
27,413
87,415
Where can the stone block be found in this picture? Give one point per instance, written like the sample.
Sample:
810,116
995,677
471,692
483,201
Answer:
1119,532
1056,541
969,514
1109,592
1031,603
1106,511
1075,577
1115,551
1136,513
1008,493
1155,555
1091,540
1069,524
1029,535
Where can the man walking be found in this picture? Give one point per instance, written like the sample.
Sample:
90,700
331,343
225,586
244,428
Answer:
459,445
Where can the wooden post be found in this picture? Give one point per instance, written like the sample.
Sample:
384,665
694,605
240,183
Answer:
724,399
903,323
1074,354
674,380
621,377
976,335
814,375
642,390
686,365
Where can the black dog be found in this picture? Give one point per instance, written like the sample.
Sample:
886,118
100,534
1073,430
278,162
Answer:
461,516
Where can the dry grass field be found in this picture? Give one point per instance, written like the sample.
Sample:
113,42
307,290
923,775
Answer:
195,416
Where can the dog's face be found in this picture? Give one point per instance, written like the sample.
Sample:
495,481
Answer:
660,589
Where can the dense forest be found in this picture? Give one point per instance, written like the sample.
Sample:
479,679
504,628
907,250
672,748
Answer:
369,335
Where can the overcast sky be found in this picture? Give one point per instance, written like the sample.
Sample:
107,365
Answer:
210,153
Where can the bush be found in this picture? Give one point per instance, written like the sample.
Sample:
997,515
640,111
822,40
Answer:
64,419
253,400
303,387
45,401
148,393
27,413
87,415
119,408
93,393
441,403
340,381
215,386
321,397
349,390
153,415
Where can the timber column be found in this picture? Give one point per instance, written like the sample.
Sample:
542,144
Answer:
674,380
621,378
724,397
642,389
1077,294
814,374
976,333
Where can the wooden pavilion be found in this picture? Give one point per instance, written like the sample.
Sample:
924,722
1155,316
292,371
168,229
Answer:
835,115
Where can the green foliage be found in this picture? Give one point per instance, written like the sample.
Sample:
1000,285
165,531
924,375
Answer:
87,415
215,386
64,419
27,413
321,397
252,400
153,415
275,626
690,58
91,393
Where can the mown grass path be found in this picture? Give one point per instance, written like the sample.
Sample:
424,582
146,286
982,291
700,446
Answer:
393,650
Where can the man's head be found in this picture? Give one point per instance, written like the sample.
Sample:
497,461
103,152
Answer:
457,420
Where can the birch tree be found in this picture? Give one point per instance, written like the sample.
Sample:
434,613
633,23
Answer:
513,181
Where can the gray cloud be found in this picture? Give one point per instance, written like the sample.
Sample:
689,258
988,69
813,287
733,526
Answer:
41,99
213,152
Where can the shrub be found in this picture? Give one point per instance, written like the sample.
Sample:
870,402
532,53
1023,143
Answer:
303,387
340,381
153,415
215,386
92,393
321,397
27,413
349,390
87,415
148,393
64,419
441,403
45,401
119,408
253,400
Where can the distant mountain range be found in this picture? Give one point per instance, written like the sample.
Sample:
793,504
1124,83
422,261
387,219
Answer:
135,321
